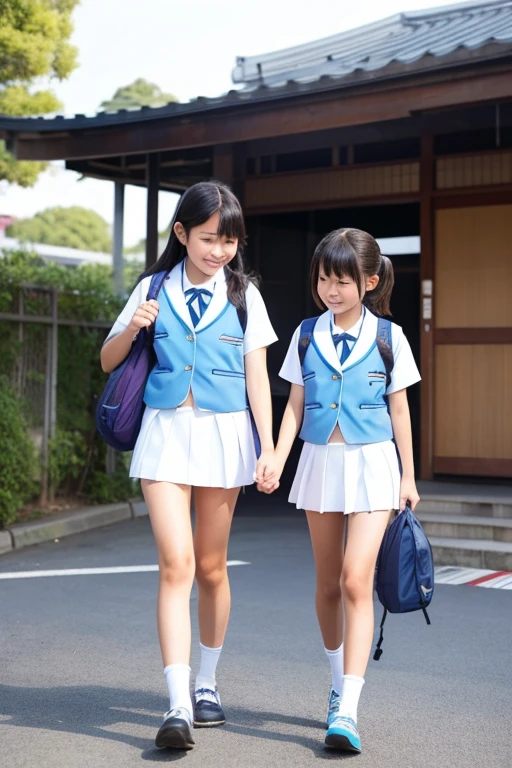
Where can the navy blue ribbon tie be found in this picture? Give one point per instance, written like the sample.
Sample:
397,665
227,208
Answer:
345,338
197,293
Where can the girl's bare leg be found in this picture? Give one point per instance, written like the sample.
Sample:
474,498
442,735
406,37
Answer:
365,533
214,512
169,512
327,533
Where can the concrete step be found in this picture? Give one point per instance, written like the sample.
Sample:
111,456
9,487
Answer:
466,506
472,553
465,526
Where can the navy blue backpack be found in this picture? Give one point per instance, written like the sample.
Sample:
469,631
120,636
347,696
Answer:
121,406
404,577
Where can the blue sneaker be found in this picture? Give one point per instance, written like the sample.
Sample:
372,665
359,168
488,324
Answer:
208,710
343,734
334,702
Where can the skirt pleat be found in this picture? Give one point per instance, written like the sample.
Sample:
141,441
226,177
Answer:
193,447
339,477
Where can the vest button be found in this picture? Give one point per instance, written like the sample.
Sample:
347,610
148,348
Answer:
190,338
334,405
188,367
335,376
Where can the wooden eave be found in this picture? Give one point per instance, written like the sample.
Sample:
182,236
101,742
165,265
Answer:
233,121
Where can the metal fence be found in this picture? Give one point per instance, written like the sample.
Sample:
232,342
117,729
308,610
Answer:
31,333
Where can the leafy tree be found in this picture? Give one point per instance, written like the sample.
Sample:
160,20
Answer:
139,94
34,37
73,227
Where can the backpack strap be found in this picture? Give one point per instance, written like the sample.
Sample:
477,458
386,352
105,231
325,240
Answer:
157,280
378,650
306,331
242,316
385,345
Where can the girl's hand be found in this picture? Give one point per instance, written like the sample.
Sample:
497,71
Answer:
408,493
268,487
145,315
265,467
268,472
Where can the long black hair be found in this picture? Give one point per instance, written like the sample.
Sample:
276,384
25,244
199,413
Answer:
355,254
195,207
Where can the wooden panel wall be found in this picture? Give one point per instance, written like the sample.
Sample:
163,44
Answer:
473,353
474,170
474,267
473,407
331,185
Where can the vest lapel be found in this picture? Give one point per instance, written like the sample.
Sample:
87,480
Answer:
174,290
365,341
217,302
323,339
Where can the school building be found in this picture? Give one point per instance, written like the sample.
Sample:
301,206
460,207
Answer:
402,128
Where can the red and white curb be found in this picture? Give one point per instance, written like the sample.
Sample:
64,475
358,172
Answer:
473,577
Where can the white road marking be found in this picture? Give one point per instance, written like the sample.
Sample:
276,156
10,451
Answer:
454,575
91,571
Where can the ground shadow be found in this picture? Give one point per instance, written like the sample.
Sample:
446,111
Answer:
87,710
94,710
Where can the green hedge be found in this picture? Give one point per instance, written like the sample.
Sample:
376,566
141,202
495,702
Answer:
77,454
17,456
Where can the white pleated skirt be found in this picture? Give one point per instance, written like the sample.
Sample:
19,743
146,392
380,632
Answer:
193,447
339,477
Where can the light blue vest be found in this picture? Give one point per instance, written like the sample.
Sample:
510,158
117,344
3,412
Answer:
353,399
210,362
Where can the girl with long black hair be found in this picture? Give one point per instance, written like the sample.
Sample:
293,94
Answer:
211,334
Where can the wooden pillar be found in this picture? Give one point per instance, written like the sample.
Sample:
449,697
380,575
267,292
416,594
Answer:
427,271
153,184
117,253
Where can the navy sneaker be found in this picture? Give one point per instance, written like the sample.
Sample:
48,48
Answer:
175,731
343,734
334,702
208,711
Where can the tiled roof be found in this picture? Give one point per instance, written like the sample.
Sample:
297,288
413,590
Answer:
406,41
405,38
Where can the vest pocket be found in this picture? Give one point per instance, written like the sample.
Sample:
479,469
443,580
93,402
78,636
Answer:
161,370
162,335
371,406
235,374
308,376
236,341
312,406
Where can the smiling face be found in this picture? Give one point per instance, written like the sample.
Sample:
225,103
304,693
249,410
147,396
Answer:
207,252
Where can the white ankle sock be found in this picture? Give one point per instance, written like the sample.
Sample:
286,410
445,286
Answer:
336,662
350,693
209,660
177,677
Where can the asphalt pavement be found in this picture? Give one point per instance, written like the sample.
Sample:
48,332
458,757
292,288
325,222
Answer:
81,682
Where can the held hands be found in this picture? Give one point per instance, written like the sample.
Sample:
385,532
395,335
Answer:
408,493
145,315
268,471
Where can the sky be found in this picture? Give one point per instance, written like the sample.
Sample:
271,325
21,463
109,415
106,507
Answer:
187,48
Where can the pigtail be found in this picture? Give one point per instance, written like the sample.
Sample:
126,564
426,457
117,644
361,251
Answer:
378,300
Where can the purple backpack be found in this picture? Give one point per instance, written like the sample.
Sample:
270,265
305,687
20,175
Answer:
121,406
